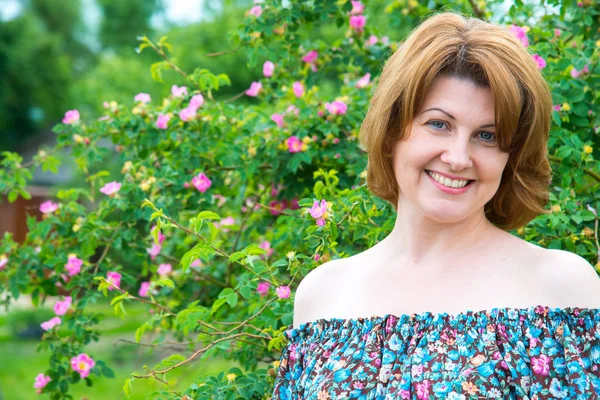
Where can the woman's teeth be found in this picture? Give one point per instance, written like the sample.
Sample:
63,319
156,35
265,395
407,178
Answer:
452,183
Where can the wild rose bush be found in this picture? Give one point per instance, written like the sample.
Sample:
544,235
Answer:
220,209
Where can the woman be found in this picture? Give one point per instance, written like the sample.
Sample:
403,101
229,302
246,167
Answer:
450,305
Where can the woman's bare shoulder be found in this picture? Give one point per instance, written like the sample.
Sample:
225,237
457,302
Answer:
316,292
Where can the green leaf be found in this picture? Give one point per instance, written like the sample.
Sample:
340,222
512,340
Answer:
107,372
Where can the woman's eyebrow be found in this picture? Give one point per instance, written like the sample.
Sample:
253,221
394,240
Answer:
452,117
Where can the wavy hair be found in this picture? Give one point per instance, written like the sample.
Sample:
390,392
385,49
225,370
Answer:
490,56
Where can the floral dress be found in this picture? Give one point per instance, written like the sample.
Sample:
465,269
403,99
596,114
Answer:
503,353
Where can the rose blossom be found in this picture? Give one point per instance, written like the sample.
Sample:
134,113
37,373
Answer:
142,97
196,101
358,22
263,288
283,292
179,91
73,265
254,90
144,288
294,144
51,323
40,382
71,117
114,278
110,188
61,307
278,119
268,68
48,207
164,269
82,364
298,88
201,182
161,121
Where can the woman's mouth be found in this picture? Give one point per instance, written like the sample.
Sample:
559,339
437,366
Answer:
447,185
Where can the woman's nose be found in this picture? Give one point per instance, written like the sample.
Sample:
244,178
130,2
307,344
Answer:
457,154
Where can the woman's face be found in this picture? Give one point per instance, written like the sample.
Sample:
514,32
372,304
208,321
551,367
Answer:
452,142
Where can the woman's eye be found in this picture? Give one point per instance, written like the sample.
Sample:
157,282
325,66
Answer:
488,136
438,123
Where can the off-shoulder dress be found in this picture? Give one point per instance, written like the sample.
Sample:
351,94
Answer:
503,353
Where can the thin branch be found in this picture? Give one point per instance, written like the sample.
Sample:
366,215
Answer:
222,53
108,245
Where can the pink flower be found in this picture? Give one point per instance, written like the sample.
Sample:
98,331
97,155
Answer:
222,199
298,88
556,107
73,265
268,68
48,207
293,204
227,221
110,188
520,34
575,74
317,209
164,269
294,144
540,61
143,97
293,110
256,11
40,381
317,257
144,288
82,364
201,182
267,246
276,207
114,278
161,237
358,22
364,81
51,323
278,119
61,307
372,40
310,57
161,121
71,117
557,32
263,288
196,263
179,91
254,90
357,8
336,107
154,250
196,101
187,113
283,292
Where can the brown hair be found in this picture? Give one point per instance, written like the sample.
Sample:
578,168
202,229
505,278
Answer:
488,55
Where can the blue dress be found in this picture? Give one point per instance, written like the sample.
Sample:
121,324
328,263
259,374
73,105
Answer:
503,353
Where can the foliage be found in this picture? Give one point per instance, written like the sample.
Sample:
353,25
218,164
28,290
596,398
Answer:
220,180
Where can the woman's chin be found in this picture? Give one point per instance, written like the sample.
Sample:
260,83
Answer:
445,214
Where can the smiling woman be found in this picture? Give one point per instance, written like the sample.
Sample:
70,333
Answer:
450,305
496,67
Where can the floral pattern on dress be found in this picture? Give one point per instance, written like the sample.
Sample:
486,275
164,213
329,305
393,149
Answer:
504,353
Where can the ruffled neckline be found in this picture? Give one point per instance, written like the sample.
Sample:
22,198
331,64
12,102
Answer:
506,315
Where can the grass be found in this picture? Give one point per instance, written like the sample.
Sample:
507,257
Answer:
20,362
